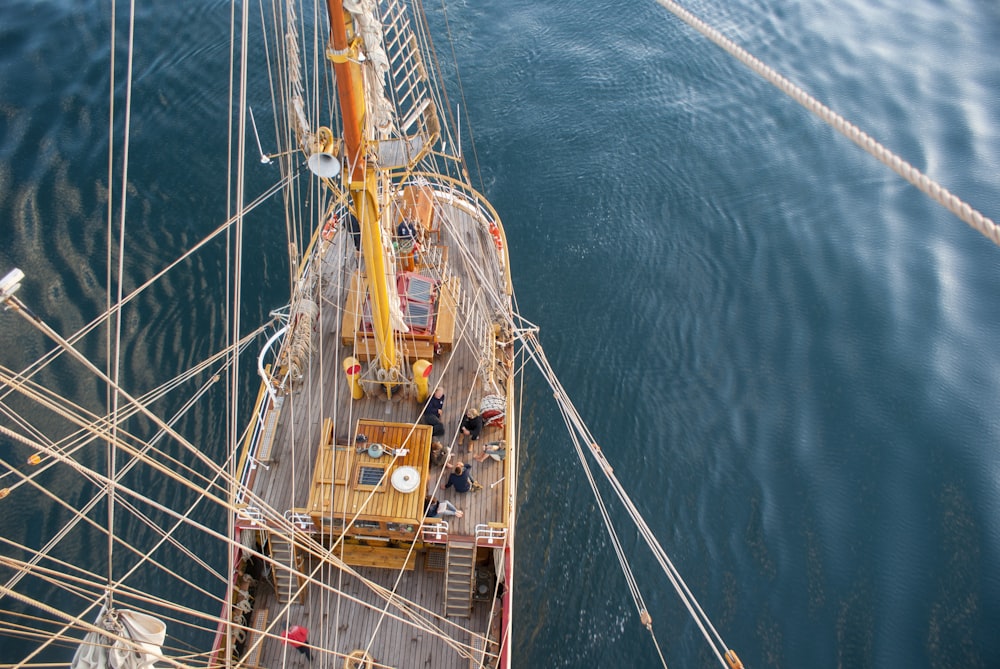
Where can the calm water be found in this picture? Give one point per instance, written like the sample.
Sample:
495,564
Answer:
788,354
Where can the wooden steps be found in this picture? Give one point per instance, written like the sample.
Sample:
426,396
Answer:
286,576
458,578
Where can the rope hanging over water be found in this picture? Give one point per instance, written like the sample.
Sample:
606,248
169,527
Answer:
583,439
933,189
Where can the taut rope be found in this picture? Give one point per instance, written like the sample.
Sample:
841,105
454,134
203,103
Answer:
936,191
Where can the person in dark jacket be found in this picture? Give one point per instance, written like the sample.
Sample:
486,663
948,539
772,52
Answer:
461,479
433,411
406,239
472,426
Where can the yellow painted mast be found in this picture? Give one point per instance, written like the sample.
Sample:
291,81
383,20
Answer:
362,184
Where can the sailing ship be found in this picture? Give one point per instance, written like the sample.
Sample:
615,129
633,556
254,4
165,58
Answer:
369,502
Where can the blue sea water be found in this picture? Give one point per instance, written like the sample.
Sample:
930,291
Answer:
787,353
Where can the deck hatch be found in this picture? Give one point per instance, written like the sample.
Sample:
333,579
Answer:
370,476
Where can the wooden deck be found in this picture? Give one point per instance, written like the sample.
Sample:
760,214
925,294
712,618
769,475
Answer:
341,610
338,626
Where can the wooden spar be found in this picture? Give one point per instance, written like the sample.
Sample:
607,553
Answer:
343,53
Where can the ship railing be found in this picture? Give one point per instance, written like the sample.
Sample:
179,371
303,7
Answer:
490,535
261,440
302,521
435,532
251,515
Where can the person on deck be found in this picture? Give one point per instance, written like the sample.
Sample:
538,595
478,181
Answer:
461,479
297,637
472,426
406,241
495,449
354,228
436,508
433,410
439,454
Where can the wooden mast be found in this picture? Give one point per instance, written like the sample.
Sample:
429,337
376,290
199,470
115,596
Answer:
343,52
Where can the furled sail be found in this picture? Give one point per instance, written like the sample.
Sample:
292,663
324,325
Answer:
133,642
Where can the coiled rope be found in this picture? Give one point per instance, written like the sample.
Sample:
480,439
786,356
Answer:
933,189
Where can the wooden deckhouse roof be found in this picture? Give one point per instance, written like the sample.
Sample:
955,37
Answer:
349,483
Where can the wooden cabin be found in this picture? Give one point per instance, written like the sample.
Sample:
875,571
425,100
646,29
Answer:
375,487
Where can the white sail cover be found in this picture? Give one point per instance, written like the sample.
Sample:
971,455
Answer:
100,651
370,28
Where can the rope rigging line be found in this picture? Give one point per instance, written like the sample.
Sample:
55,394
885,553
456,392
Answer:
626,568
100,429
101,479
90,589
114,336
46,359
75,441
965,212
78,514
234,263
22,310
79,623
580,433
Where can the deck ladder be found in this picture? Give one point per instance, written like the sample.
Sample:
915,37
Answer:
286,574
458,578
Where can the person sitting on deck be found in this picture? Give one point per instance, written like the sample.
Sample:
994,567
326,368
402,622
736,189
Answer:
472,426
433,410
461,479
495,449
439,454
436,508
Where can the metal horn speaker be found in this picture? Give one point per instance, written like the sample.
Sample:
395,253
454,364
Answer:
323,163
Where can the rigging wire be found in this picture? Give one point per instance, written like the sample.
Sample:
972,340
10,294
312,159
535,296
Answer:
234,269
965,212
80,514
575,424
47,358
114,348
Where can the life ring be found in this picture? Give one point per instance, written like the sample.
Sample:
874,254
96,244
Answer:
495,234
330,228
358,659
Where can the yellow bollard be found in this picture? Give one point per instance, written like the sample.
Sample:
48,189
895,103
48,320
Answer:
421,374
352,368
